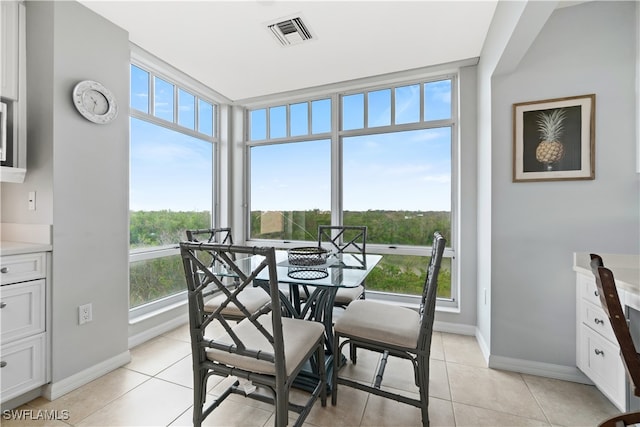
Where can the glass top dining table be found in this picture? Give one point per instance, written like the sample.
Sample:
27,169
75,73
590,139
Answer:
339,271
317,284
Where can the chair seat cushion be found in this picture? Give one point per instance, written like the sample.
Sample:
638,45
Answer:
380,322
299,337
252,298
346,295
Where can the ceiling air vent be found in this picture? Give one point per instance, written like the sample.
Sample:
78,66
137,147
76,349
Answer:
291,31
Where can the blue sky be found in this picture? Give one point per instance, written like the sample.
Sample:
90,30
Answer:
408,170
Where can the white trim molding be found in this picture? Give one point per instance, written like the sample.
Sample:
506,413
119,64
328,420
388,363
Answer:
54,390
547,370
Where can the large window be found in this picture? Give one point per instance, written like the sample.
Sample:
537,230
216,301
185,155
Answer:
172,152
291,180
384,161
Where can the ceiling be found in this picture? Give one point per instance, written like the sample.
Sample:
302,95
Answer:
226,44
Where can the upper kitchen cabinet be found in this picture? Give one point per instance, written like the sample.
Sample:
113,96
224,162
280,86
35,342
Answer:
10,13
13,100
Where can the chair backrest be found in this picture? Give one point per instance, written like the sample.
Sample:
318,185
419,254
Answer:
430,293
200,277
346,238
610,302
211,235
220,236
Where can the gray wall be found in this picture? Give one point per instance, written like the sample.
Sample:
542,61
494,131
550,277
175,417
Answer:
536,226
86,166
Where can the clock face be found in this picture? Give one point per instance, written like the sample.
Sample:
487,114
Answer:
95,102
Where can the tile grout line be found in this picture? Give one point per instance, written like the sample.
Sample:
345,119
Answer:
536,399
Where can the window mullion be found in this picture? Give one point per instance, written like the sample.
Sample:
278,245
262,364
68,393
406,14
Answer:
336,161
152,95
393,106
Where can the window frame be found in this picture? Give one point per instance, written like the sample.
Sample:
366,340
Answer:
337,135
157,68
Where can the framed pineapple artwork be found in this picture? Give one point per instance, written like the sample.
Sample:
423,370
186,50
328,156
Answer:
554,139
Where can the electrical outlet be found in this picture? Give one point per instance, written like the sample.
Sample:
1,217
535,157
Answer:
85,314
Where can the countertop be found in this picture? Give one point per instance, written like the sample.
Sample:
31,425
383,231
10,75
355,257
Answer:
18,248
625,269
20,239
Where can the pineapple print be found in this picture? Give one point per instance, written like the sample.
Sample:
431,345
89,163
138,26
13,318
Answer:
550,126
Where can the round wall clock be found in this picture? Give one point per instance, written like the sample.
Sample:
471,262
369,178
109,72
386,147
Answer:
95,102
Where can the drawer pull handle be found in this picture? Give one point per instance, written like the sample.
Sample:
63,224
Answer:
3,304
599,352
596,293
4,270
598,321
3,364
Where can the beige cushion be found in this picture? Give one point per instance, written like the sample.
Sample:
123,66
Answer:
251,298
299,337
346,295
380,322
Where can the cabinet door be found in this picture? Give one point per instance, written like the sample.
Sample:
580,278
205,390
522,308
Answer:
22,310
22,366
600,360
9,42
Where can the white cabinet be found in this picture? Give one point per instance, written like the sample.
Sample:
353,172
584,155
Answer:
9,39
13,89
23,329
597,350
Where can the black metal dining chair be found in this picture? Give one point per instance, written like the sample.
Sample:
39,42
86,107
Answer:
265,348
611,305
345,239
251,297
392,331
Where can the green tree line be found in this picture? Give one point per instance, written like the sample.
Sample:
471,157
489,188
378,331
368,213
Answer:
156,278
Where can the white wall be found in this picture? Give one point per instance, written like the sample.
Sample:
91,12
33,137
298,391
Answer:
536,226
86,166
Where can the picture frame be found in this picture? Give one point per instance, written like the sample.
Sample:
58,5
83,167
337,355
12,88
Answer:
554,139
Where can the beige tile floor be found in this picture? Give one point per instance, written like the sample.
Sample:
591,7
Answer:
154,389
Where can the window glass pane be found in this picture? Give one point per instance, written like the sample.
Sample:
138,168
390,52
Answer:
290,190
163,100
299,119
206,118
186,109
278,122
405,274
258,123
437,100
379,113
170,184
410,175
139,89
321,116
353,111
153,279
407,104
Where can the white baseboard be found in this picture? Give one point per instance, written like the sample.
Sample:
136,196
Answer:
454,328
548,370
56,389
484,347
157,330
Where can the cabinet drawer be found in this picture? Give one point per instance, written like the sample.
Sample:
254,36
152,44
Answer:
588,289
595,318
19,268
23,309
601,362
23,366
